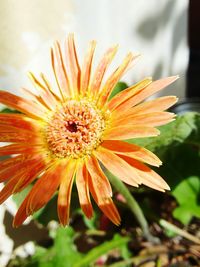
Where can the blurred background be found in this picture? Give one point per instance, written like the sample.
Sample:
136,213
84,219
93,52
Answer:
156,29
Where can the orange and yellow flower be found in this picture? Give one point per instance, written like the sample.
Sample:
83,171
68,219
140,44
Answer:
64,134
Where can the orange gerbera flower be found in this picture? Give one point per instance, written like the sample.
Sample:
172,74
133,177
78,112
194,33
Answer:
63,135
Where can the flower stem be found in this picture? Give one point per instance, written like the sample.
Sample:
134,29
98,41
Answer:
169,226
134,207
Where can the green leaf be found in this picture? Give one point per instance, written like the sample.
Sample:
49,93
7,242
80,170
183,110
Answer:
62,254
7,110
187,194
188,189
118,88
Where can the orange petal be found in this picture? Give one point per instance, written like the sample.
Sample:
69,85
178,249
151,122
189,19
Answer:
114,78
64,195
151,119
11,166
25,106
45,187
44,92
21,214
104,203
4,164
99,180
41,193
147,176
60,72
101,69
13,134
117,166
35,98
146,92
21,177
127,132
48,86
72,62
19,121
132,151
86,69
156,105
83,190
110,210
17,149
127,93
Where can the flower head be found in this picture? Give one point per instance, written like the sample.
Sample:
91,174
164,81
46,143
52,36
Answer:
66,134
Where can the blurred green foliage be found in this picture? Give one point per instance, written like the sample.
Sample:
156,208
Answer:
64,253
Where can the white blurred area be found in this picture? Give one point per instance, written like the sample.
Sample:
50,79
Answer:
156,29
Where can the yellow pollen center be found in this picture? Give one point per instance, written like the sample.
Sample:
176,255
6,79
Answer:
75,129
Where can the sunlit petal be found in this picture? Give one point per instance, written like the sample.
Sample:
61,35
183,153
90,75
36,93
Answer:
83,190
21,104
101,69
151,89
147,176
132,151
64,194
127,132
117,166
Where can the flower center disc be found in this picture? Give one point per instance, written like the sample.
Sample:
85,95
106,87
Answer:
75,129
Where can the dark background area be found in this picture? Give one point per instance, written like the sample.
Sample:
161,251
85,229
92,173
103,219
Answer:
193,78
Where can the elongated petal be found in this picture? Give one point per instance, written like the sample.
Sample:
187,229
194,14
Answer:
18,149
104,203
132,151
146,92
127,132
60,72
25,174
13,134
127,93
4,164
49,87
156,105
83,190
44,92
19,121
45,187
110,210
10,166
40,194
64,194
25,106
151,119
72,62
117,166
21,214
147,176
99,180
37,99
101,69
114,78
86,68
